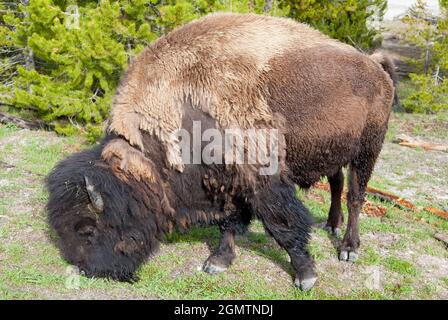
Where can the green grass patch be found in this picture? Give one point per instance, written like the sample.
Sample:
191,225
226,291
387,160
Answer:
401,289
445,280
400,266
7,130
370,256
30,275
376,224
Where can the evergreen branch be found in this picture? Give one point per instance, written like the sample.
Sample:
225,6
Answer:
356,45
154,9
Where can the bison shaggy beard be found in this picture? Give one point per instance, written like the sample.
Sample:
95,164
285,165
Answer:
109,243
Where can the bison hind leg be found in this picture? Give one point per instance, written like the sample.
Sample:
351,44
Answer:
360,170
335,216
224,255
289,223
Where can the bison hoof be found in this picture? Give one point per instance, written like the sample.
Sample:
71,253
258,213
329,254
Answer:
333,231
346,255
305,284
213,268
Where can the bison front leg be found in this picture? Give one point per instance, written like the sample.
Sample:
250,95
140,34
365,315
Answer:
224,255
289,223
360,170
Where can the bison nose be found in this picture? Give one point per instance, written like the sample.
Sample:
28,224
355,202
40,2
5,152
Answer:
85,227
86,231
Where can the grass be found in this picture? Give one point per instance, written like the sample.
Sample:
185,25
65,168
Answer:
400,266
370,257
398,247
415,174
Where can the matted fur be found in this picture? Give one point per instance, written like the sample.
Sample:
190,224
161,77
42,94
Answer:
128,160
218,64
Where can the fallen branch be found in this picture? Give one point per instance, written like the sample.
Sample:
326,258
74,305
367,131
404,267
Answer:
389,197
370,208
403,203
21,123
376,210
373,209
441,237
437,212
407,141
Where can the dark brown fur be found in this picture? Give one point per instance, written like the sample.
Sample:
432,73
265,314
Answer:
337,105
140,210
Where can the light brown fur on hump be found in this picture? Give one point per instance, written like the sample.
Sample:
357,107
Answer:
218,64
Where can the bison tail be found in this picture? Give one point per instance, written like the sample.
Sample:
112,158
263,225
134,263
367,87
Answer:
389,66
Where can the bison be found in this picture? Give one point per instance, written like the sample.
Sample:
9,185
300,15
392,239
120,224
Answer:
113,204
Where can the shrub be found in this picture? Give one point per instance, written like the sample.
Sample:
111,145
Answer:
429,33
351,21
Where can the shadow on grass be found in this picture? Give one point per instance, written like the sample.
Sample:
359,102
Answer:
319,222
258,243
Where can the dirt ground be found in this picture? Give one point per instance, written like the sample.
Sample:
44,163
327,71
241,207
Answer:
415,174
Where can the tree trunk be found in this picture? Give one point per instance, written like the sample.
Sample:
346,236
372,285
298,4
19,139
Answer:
267,6
29,54
427,61
23,124
251,5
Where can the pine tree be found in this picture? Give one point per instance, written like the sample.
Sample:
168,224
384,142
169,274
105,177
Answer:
429,33
76,67
10,56
351,21
61,60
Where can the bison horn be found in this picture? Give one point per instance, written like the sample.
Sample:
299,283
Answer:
95,196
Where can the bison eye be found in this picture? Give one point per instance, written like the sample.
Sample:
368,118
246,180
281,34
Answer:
85,227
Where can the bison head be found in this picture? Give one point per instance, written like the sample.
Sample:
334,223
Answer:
103,225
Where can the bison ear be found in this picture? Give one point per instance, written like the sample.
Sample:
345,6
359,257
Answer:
94,196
